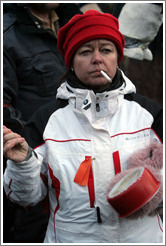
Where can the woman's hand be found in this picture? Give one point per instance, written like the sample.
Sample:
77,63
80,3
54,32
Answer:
15,147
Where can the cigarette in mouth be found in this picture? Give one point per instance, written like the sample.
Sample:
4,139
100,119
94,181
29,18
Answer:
105,75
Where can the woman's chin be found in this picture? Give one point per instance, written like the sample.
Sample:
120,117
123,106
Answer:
99,87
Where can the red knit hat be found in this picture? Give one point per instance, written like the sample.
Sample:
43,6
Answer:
85,27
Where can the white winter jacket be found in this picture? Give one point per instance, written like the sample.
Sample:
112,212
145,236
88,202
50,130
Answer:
96,126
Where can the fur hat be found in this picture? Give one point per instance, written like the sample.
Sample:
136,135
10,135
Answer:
151,158
88,26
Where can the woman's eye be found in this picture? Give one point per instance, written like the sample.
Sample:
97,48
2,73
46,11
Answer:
106,51
85,52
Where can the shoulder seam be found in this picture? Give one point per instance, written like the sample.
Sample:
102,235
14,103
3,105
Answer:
148,104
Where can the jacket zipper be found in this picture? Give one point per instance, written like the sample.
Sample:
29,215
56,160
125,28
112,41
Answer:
97,107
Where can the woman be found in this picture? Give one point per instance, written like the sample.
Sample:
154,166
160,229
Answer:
76,138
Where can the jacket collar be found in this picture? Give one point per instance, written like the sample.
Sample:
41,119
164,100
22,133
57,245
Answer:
71,89
117,81
95,105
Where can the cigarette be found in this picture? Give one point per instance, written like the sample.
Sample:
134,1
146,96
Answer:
105,75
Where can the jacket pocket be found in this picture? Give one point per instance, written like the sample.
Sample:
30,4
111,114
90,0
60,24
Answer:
41,73
48,71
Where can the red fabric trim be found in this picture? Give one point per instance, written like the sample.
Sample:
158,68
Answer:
122,133
9,194
44,179
56,184
61,141
117,165
84,177
39,145
144,129
91,188
157,135
159,223
66,140
10,183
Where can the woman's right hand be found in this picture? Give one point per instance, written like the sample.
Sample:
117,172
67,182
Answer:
15,147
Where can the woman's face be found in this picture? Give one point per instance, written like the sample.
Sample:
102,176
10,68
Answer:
93,56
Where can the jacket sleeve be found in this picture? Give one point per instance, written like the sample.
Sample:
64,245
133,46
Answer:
23,183
153,108
157,125
11,116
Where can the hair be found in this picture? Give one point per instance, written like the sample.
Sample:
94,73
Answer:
64,76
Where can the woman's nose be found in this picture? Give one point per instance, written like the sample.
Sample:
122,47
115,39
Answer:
96,58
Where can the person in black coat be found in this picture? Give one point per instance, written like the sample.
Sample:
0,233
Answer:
32,64
32,67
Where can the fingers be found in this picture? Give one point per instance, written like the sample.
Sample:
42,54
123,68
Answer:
10,136
6,130
11,143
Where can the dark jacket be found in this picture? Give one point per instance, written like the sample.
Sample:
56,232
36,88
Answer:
32,63
32,68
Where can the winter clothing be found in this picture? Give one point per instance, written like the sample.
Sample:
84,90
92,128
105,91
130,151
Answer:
32,63
32,69
79,31
140,23
98,130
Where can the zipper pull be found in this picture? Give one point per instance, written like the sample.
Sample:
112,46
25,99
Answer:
97,107
99,220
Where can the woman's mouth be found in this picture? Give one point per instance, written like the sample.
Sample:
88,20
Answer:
96,73
101,73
